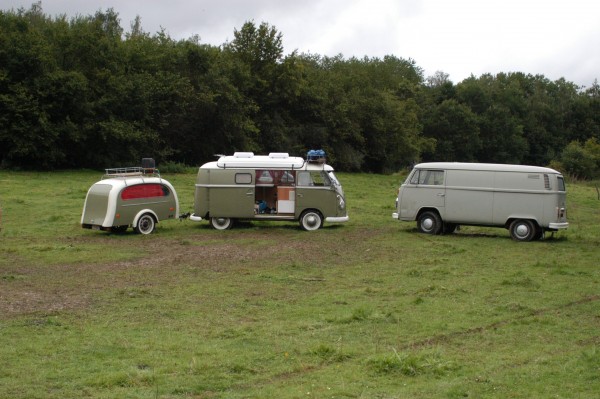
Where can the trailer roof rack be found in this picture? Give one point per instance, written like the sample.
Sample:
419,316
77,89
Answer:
148,169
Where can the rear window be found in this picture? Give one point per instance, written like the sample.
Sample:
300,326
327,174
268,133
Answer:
561,183
144,191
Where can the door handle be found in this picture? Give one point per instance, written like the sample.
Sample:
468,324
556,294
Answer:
299,195
441,195
251,192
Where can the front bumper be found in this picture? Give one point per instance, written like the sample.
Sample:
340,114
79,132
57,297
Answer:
341,219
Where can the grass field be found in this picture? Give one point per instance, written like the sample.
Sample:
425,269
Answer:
369,309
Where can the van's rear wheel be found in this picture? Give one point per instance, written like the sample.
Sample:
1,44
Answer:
449,228
311,220
145,224
430,223
523,230
221,223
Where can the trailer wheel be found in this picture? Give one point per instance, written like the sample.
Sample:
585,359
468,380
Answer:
311,220
145,224
523,230
221,223
430,223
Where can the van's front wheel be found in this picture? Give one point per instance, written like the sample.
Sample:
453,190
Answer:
311,220
430,223
523,230
221,223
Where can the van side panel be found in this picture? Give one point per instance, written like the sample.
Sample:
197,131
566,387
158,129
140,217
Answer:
519,196
226,198
469,196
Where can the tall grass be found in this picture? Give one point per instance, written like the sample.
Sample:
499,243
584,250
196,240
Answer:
370,309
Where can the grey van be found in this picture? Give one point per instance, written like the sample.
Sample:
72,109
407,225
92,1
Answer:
526,200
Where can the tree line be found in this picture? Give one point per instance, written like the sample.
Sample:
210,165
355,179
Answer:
82,92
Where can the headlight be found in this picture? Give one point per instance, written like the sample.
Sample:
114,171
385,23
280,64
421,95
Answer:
341,202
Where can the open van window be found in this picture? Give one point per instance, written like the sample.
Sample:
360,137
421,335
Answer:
313,178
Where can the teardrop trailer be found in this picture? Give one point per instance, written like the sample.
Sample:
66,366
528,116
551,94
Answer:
130,197
526,200
274,187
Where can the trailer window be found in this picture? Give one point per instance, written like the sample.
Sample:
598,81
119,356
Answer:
144,191
243,178
428,177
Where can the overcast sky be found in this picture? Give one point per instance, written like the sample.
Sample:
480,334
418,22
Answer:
459,37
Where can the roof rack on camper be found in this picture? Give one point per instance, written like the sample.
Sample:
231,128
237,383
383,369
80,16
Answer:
148,169
316,156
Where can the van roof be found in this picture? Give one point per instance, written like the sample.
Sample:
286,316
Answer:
486,166
249,160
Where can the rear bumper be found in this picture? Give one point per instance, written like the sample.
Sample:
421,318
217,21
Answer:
341,219
558,226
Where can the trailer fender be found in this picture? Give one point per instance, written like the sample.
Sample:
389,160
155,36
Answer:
143,211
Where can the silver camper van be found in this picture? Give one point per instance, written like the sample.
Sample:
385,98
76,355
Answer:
269,187
130,197
526,200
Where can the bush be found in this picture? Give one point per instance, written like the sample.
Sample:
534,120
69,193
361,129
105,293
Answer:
582,161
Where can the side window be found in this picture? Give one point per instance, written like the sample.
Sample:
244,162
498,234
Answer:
320,179
243,178
428,177
264,177
313,179
415,177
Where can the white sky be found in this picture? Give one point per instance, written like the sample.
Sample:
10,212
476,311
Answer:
459,37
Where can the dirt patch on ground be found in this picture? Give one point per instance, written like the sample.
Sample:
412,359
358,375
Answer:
48,289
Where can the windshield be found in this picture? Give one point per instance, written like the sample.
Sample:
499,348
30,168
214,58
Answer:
336,183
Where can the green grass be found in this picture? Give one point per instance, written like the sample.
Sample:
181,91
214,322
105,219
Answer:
370,309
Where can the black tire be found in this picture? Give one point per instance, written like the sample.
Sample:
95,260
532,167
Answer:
311,220
119,229
145,224
449,228
523,230
430,223
221,223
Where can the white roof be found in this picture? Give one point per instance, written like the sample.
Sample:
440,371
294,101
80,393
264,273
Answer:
485,166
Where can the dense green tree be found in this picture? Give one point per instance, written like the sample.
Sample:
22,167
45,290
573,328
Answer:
82,92
455,129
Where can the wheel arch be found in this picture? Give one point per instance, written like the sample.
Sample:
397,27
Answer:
513,218
427,209
143,212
